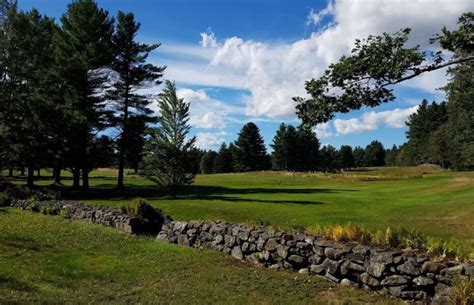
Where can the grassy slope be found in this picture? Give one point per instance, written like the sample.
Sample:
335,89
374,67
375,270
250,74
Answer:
45,259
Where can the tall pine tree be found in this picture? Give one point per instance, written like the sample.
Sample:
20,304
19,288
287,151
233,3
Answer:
250,151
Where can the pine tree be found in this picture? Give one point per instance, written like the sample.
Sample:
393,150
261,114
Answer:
208,162
439,147
169,153
280,153
131,74
136,140
84,53
224,162
359,157
460,128
375,154
346,157
250,152
307,151
329,159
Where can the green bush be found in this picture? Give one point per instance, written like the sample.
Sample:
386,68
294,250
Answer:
140,208
19,192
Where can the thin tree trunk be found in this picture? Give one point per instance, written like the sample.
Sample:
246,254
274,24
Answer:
85,178
22,171
10,172
76,177
38,172
30,182
123,142
135,170
57,174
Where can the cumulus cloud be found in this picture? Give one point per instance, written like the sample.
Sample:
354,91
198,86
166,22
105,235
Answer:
206,112
372,120
210,140
323,130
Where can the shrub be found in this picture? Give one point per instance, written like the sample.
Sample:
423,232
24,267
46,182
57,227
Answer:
3,200
141,208
463,290
19,192
49,210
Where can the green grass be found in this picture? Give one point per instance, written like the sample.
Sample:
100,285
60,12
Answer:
47,259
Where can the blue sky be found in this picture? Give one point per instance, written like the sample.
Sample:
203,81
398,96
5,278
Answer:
242,60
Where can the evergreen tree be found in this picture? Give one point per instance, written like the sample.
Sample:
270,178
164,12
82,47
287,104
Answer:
307,154
460,128
359,156
329,159
208,162
170,156
136,140
131,74
250,152
438,147
346,157
224,162
279,146
375,154
84,52
391,156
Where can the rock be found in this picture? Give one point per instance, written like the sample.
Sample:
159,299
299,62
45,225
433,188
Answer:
303,271
394,280
348,283
331,266
397,260
237,253
432,267
368,280
274,267
450,272
162,237
296,259
244,234
396,291
376,269
385,258
363,250
302,245
229,240
319,251
282,251
439,299
410,268
317,269
255,258
245,248
423,281
468,269
413,295
219,239
331,277
333,253
183,240
271,244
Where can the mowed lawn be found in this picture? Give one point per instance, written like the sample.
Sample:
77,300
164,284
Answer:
436,203
50,260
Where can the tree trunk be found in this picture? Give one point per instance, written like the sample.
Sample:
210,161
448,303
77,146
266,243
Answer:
22,171
120,185
76,177
31,177
135,170
85,178
10,172
57,175
38,172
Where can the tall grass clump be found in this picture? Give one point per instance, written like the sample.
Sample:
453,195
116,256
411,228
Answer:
139,207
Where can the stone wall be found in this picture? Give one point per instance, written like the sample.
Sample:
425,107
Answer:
107,216
402,274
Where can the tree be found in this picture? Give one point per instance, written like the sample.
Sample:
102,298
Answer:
250,152
169,153
307,153
366,77
359,157
391,155
285,148
438,147
460,128
224,161
208,162
346,157
425,121
375,154
136,128
84,53
329,159
131,74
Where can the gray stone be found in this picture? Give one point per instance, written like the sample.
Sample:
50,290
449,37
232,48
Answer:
318,250
296,259
432,267
376,269
394,280
303,271
302,245
271,244
396,291
331,266
219,239
162,237
244,234
318,269
385,258
450,272
414,295
237,253
183,240
410,268
229,240
333,253
369,280
348,283
423,281
440,299
282,251
315,259
363,250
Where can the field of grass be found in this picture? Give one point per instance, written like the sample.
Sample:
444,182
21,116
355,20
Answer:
48,259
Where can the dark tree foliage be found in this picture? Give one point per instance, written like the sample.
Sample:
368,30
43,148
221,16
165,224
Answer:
359,157
460,128
439,147
366,77
169,153
250,152
374,154
329,159
84,50
103,152
208,162
131,73
224,161
307,150
136,141
391,155
425,121
346,157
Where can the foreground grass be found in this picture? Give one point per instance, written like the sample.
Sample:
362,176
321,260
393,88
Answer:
46,259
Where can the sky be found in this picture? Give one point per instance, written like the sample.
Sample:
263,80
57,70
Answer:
237,61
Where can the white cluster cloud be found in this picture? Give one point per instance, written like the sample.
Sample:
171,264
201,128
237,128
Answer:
274,72
206,112
372,120
323,131
210,140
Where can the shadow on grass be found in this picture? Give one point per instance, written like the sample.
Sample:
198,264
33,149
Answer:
199,192
14,284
